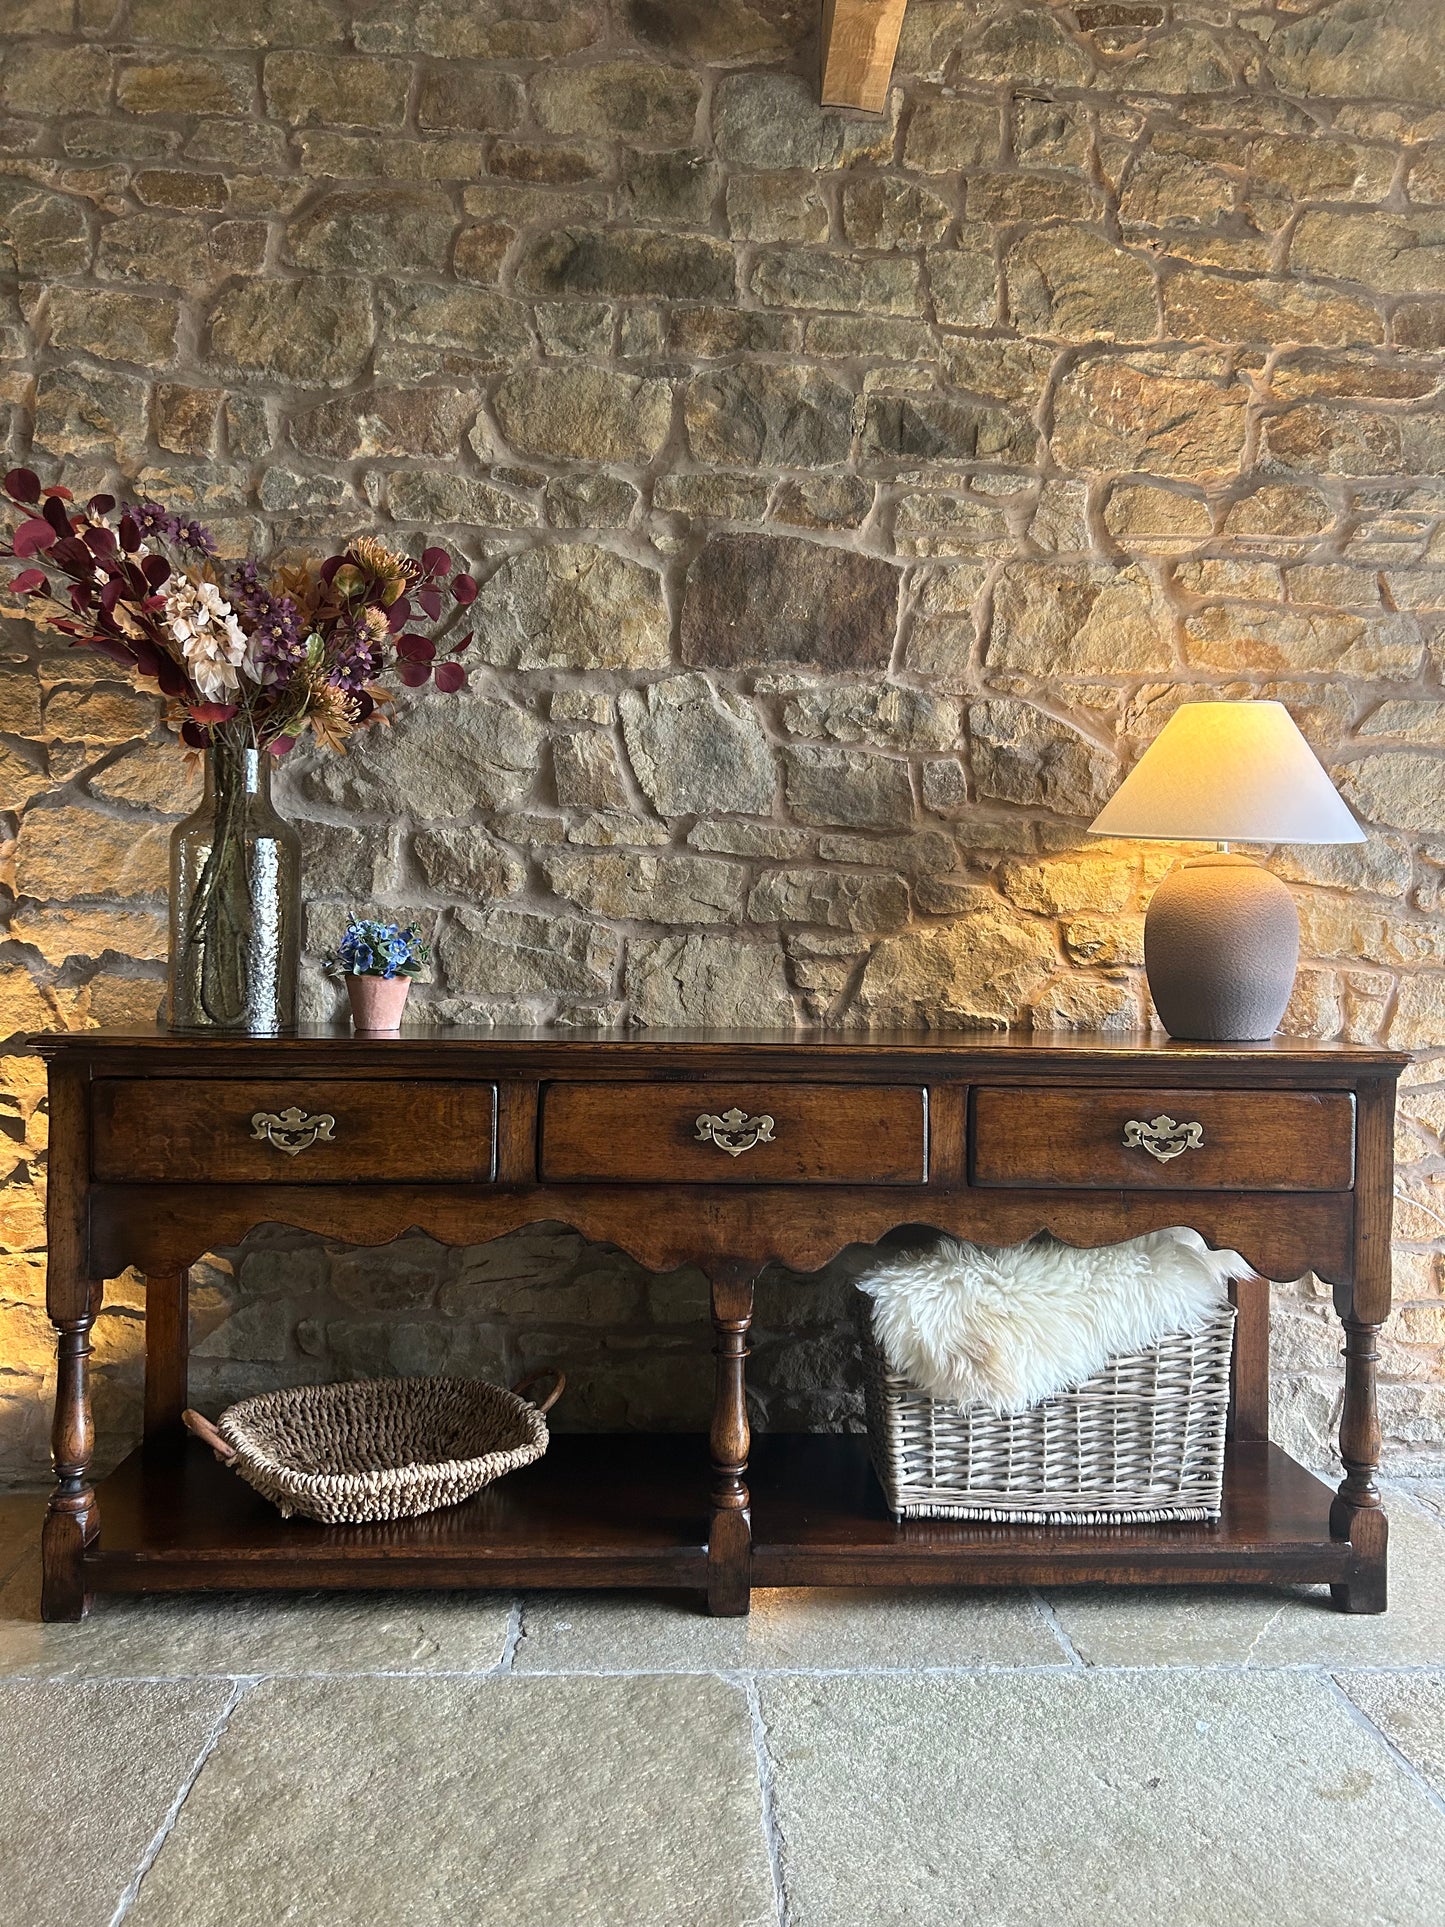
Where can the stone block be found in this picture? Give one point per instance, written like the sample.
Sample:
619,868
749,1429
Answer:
977,971
696,749
703,980
883,213
852,788
670,188
656,889
776,207
440,759
374,231
947,136
829,897
810,278
345,91
185,84
466,863
478,98
1075,283
774,121
585,769
50,80
887,715
1081,620
1021,755
757,415
639,100
314,331
584,413
827,608
1165,416
47,233
509,952
380,421
71,852
573,606
616,261
78,411
913,429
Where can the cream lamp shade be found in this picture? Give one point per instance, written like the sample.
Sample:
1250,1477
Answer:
1229,773
1221,936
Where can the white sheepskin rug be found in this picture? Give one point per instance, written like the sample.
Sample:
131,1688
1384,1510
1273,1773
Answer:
1006,1328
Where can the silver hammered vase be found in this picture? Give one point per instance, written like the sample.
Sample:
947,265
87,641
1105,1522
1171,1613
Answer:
235,903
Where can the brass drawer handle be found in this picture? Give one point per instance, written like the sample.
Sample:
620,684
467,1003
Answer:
735,1132
292,1130
1162,1138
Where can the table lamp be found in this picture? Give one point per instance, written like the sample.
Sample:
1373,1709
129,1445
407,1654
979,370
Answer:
1221,937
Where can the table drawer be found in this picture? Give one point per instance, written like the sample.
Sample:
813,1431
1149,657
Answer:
298,1131
1165,1140
734,1133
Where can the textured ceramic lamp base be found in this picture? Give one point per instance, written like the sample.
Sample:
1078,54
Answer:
1221,945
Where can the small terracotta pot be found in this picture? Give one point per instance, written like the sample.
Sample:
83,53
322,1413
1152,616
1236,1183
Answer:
377,1003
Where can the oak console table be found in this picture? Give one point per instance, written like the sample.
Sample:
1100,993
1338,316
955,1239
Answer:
731,1150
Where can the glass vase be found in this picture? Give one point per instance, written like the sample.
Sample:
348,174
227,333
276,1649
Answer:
235,903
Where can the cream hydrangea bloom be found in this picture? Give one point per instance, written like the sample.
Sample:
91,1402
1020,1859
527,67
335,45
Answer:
211,640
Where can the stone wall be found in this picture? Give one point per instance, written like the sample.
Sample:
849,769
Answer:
853,499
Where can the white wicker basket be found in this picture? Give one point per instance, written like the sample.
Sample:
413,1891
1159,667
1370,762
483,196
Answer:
1141,1440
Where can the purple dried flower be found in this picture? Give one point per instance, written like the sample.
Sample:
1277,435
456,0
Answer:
159,524
273,622
355,656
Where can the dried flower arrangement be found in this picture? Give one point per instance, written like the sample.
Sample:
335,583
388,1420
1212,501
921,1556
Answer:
250,659
263,657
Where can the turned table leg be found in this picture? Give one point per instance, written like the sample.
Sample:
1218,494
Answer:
729,1546
1357,1513
72,1520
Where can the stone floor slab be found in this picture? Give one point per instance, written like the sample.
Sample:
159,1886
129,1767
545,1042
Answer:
87,1775
472,1803
1409,1709
251,1633
1094,1800
788,1630
1188,1626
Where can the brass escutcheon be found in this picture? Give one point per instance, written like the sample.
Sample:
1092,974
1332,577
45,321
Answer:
734,1131
1162,1138
292,1130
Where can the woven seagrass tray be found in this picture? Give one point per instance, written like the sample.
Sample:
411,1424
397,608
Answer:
386,1448
1142,1440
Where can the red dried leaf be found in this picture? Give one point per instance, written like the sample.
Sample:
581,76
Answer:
129,534
464,589
431,601
415,649
23,484
414,674
213,712
28,581
450,676
32,538
156,570
101,504
54,513
435,561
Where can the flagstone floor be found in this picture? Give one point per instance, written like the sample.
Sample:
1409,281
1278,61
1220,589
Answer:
837,1760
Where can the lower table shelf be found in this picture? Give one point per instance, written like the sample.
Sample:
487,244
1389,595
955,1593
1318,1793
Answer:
630,1510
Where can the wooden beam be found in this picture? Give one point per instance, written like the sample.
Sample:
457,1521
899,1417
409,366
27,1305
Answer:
860,38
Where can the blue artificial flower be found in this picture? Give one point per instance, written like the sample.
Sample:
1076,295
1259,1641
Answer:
372,949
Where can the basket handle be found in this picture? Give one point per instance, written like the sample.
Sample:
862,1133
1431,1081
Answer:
208,1435
547,1371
